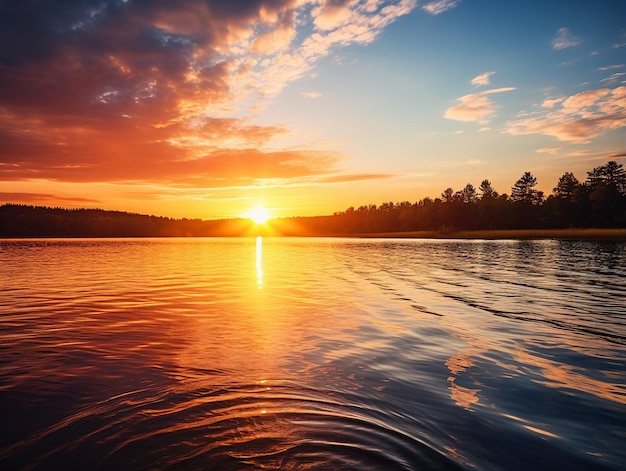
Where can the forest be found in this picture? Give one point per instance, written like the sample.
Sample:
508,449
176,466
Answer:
597,202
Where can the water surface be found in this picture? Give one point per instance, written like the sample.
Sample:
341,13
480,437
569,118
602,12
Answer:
308,354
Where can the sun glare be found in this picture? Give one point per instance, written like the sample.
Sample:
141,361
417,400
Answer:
259,215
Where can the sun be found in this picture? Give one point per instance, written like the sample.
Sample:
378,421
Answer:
259,215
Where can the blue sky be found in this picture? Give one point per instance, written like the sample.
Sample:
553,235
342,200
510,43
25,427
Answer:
206,108
389,98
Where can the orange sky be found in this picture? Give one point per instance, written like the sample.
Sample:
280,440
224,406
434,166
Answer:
207,108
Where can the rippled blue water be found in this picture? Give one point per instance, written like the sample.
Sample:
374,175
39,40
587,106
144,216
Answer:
306,354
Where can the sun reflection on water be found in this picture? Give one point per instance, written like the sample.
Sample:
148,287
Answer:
259,262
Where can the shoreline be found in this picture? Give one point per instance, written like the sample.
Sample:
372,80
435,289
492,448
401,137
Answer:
503,234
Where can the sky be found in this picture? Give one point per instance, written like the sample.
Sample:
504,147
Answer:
208,108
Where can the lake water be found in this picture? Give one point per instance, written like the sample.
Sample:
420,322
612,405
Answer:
312,354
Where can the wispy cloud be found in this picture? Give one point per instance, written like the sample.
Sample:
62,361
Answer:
345,178
565,39
311,94
439,6
611,67
482,79
549,150
577,118
475,107
614,78
43,198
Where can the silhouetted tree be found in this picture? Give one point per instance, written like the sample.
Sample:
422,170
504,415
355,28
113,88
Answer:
607,193
486,190
468,194
447,195
466,208
524,190
611,174
561,207
488,206
526,200
566,187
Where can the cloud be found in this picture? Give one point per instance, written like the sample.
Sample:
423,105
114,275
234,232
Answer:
102,90
191,164
565,39
578,118
330,14
611,67
614,78
475,107
41,198
439,6
346,178
276,39
311,94
332,24
549,150
551,102
482,79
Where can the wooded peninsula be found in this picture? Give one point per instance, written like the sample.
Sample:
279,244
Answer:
595,208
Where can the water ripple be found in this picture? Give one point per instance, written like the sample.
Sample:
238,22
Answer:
270,425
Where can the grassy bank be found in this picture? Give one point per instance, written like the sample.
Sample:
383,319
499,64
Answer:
515,234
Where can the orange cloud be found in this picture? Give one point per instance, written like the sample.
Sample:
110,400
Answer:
42,198
147,91
355,177
578,118
332,13
482,79
276,39
475,107
549,150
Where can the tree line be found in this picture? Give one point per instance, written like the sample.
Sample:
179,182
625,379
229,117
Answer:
18,220
599,201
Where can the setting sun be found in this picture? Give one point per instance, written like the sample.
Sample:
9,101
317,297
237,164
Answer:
259,215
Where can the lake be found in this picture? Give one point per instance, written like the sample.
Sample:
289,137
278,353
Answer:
312,354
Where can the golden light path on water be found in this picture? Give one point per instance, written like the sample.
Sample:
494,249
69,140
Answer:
259,262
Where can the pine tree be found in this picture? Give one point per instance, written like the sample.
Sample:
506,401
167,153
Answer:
566,187
524,190
486,190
